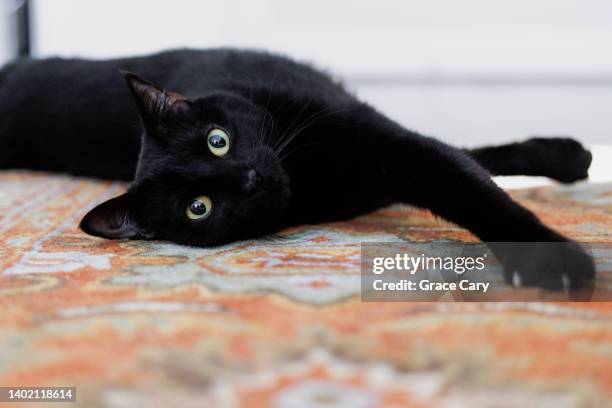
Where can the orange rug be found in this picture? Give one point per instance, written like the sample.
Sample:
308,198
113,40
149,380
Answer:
278,322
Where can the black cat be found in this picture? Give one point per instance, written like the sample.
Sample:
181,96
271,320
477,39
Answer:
252,142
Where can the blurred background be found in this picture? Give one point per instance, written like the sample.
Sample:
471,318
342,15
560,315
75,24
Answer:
468,72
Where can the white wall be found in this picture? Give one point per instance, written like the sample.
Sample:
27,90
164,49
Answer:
385,49
358,38
373,44
7,32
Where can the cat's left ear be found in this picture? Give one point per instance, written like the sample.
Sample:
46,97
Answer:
113,219
154,102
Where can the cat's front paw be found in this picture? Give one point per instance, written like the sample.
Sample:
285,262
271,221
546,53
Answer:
548,265
568,161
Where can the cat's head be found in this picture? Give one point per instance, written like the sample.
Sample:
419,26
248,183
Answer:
205,175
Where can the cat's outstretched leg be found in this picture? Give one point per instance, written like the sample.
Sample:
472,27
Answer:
430,174
561,159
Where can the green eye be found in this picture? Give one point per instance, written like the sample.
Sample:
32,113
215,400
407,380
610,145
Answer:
199,208
218,142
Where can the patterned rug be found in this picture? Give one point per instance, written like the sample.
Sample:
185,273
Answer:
279,322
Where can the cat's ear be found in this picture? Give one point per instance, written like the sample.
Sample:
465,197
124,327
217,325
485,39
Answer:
112,219
153,102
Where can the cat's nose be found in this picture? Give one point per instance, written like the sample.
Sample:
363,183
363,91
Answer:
252,182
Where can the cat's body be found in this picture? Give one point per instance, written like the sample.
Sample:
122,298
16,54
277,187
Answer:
303,150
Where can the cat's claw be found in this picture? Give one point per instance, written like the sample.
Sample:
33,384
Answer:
516,279
567,283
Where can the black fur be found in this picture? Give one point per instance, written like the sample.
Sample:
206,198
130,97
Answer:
303,150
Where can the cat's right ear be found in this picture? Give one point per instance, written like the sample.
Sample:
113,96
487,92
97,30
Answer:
153,102
113,219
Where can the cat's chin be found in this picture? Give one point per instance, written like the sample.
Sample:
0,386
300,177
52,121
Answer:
236,236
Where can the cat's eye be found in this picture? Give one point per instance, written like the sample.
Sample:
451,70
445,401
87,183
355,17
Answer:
199,208
218,142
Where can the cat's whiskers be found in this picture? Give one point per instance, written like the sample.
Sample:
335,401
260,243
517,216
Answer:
266,131
306,124
267,104
290,126
269,130
262,129
273,134
295,149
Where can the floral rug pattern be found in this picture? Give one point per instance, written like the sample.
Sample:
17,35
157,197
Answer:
278,322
